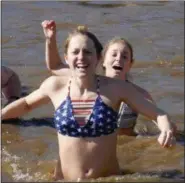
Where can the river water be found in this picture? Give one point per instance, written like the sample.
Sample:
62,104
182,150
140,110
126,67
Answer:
156,31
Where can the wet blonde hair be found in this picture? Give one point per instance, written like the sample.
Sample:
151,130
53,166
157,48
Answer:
83,30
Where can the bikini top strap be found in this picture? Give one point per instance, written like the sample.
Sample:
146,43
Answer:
98,85
68,88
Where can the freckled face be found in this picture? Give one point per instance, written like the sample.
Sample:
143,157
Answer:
81,56
117,60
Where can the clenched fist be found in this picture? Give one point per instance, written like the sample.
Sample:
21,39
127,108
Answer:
49,28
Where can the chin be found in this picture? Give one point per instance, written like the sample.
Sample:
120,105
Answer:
82,75
116,75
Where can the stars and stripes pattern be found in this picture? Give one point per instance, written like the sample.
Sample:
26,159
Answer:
82,110
70,119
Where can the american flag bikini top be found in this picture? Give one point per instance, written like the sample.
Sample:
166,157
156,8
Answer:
77,118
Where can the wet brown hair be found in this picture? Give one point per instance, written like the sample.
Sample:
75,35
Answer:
117,40
84,31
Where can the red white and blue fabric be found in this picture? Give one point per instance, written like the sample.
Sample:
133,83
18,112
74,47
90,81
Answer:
85,118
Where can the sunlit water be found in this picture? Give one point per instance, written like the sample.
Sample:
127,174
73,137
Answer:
156,31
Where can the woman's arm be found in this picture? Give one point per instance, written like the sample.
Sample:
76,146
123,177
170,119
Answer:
53,61
24,105
141,104
145,93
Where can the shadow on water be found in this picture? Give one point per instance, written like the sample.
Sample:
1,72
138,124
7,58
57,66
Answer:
102,4
31,122
150,176
105,4
170,174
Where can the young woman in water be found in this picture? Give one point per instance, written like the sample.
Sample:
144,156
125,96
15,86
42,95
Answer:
117,60
86,110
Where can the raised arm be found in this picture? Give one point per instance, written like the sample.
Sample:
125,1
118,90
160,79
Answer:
52,58
24,105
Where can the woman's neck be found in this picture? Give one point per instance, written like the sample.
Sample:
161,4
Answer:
85,83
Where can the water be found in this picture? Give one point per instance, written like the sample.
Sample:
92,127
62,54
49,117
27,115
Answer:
156,31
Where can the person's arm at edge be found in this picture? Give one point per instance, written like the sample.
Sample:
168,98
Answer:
24,105
149,97
136,100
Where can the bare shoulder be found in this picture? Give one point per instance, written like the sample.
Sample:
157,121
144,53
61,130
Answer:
109,81
53,83
61,72
113,84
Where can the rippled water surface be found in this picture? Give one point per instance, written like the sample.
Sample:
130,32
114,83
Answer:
156,31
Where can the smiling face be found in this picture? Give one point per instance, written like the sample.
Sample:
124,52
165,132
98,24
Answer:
117,60
81,56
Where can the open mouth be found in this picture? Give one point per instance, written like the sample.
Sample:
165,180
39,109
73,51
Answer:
82,66
117,68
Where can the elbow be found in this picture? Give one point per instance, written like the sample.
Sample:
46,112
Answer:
27,107
148,97
49,67
52,68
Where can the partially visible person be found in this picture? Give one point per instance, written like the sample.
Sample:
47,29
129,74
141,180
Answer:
10,84
117,60
86,110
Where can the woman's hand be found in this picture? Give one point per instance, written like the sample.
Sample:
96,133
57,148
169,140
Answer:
167,138
49,28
